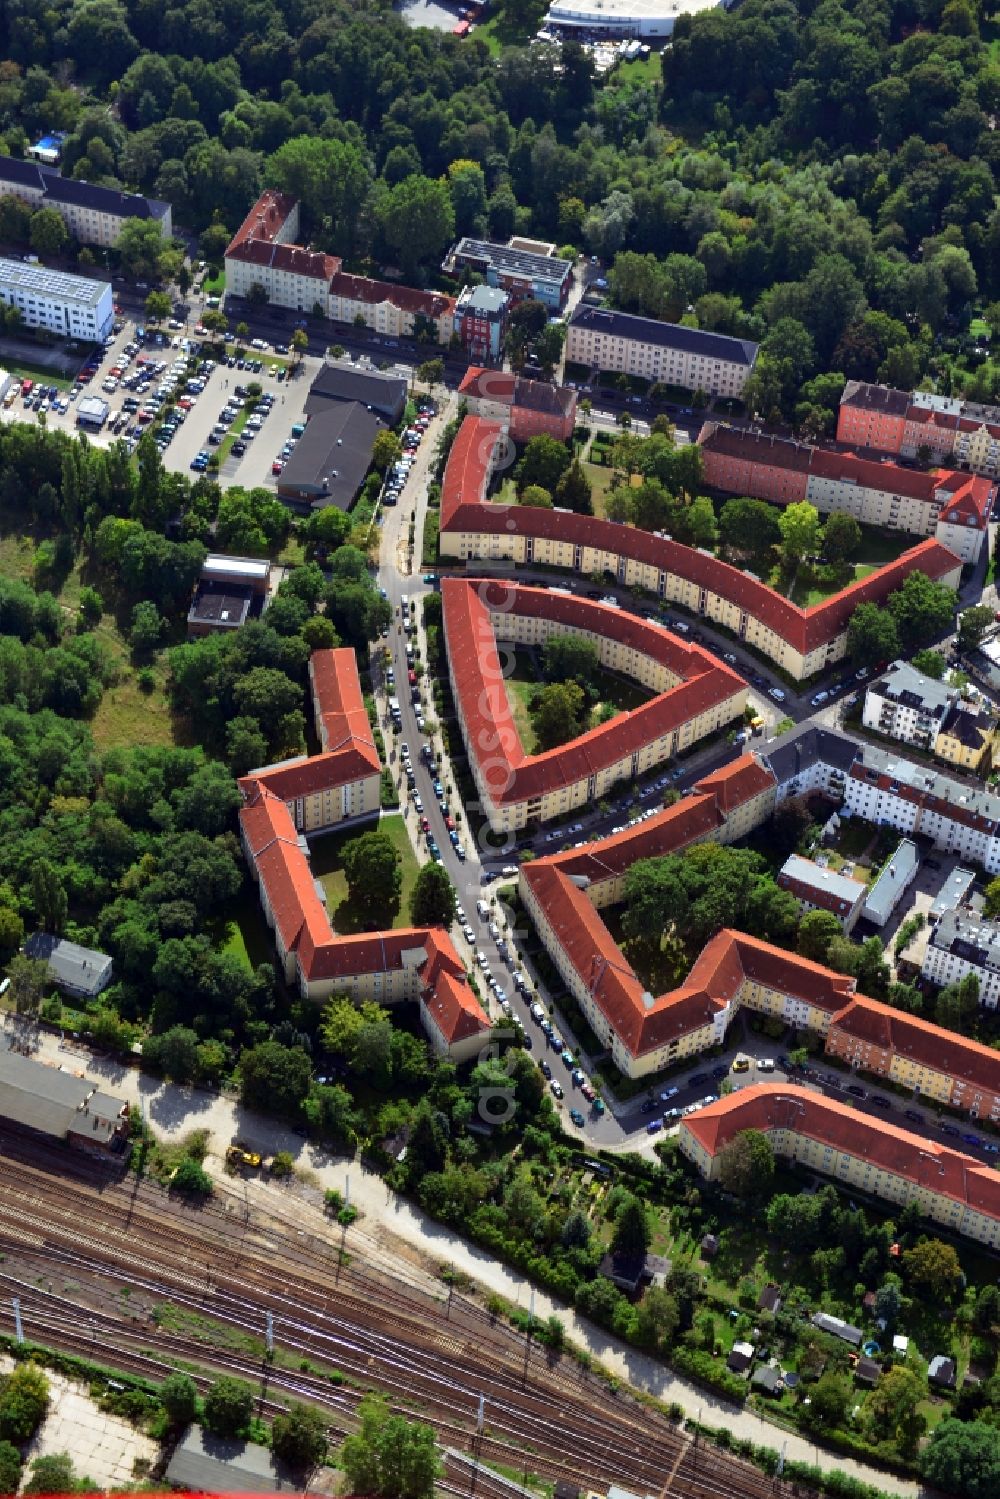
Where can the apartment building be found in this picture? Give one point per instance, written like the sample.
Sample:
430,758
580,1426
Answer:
809,758
524,408
921,423
524,269
907,705
284,803
955,816
390,310
953,507
695,695
936,1063
817,888
962,943
602,339
68,306
93,215
480,321
342,784
801,641
854,1150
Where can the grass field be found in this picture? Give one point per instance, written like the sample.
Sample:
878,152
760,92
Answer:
877,548
126,714
643,70
327,864
619,691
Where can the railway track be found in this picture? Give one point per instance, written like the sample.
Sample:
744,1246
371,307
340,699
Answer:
434,1355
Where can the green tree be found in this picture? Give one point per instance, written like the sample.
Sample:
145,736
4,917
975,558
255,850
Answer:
890,1410
228,1407
888,1301
432,900
24,1400
147,628
389,1455
632,1232
174,1053
157,306
841,537
29,983
556,714
330,1110
750,528
922,609
658,1318
571,658
535,497
828,1401
933,1266
372,869
274,1078
51,1474
49,236
872,635
418,220
972,626
963,1457
385,451
746,1164
801,532
431,372
10,1468
573,491
543,462
931,663
191,1178
179,1398
298,1436
144,252
817,930
48,896
991,900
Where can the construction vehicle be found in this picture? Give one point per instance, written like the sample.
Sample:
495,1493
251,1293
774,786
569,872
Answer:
237,1157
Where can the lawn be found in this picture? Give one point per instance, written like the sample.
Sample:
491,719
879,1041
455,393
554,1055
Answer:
643,70
877,548
327,865
214,285
622,693
126,714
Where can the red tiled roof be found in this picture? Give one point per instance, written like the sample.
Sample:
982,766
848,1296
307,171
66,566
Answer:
490,731
455,1010
690,820
340,704
286,878
488,385
770,1106
283,869
919,1041
255,241
971,500
468,467
805,630
431,304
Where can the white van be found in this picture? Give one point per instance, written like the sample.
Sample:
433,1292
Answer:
483,909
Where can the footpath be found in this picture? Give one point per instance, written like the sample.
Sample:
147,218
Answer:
390,1229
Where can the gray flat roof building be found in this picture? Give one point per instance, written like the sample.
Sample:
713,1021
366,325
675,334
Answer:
331,458
953,892
385,395
838,1328
885,893
74,969
57,1104
91,411
208,1464
646,330
510,260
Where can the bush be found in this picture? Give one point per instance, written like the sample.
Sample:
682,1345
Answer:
191,1177
298,1436
10,1468
179,1398
51,1475
228,1407
23,1403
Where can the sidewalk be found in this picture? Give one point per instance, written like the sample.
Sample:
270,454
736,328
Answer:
173,1112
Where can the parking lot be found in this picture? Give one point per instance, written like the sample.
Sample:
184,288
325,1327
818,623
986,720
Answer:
152,373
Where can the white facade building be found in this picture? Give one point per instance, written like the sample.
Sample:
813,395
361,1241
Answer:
668,352
907,705
895,878
962,943
623,18
69,306
956,817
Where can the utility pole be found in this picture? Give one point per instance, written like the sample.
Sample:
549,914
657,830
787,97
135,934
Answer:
269,1331
18,1327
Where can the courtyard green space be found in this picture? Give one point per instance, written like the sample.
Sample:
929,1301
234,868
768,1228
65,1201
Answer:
620,692
327,865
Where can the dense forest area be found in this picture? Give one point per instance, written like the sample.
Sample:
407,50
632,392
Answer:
818,176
